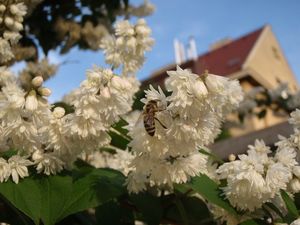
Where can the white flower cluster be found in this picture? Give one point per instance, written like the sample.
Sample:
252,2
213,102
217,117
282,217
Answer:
184,121
127,49
45,136
52,139
257,177
11,18
99,102
22,117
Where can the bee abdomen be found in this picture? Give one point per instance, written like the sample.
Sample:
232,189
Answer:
150,130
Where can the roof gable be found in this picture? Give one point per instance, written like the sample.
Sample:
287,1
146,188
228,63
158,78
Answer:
224,60
228,58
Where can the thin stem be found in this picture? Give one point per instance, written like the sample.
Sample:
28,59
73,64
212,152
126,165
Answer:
119,133
115,148
215,157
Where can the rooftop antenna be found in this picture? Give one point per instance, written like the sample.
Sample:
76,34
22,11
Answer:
182,52
192,49
177,50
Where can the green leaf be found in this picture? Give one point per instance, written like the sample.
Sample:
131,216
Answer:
52,198
55,192
208,189
25,196
93,188
290,205
113,213
8,154
118,140
149,207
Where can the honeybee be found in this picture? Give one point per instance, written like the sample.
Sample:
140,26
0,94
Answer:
149,112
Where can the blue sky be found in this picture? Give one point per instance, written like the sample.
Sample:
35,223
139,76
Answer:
208,21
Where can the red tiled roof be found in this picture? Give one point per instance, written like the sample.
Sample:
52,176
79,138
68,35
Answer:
228,58
224,60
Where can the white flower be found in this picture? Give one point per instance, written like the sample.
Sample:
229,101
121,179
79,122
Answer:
5,51
277,177
31,101
58,112
287,156
158,96
294,185
4,170
48,163
295,118
296,222
296,171
18,167
247,190
127,49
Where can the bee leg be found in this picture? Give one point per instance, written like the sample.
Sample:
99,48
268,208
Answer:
160,123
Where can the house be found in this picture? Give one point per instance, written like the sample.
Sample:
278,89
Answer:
255,59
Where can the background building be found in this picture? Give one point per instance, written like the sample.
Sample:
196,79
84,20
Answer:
256,59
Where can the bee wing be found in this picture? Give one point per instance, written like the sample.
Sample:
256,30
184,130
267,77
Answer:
139,119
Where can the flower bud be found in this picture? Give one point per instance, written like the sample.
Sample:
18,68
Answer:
44,91
215,83
37,81
14,9
2,8
18,26
295,185
9,22
199,89
231,157
31,101
296,171
58,112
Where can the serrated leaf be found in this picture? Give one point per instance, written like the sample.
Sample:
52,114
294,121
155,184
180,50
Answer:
208,189
52,198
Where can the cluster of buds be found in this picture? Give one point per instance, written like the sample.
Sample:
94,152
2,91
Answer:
11,18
